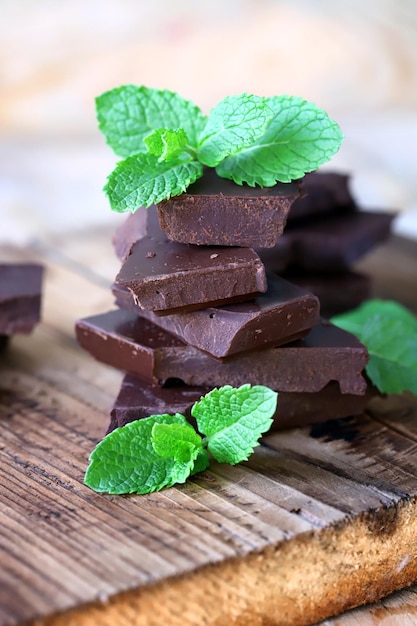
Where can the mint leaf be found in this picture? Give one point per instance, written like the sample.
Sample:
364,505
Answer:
354,321
299,138
236,122
389,331
142,180
166,143
392,349
233,420
127,114
125,460
179,441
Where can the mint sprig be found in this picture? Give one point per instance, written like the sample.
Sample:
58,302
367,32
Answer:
247,138
389,331
158,451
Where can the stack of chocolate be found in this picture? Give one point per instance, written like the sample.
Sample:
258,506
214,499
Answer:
212,291
20,299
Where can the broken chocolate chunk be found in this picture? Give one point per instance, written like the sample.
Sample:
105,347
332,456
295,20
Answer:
217,212
168,277
135,345
282,314
20,297
138,399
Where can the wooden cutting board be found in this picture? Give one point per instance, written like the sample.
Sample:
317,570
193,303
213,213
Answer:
319,520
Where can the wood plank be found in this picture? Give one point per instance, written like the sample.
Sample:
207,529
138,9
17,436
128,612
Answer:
319,520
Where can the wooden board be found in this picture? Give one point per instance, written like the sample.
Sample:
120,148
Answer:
319,520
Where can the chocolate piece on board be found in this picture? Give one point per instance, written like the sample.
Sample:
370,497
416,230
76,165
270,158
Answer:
284,313
337,292
217,212
138,399
168,277
129,342
135,345
20,297
322,192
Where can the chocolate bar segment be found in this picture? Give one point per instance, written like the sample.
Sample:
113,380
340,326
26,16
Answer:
128,342
20,297
217,212
138,399
135,345
284,313
168,277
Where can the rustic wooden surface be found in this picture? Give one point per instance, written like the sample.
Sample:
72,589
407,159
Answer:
318,521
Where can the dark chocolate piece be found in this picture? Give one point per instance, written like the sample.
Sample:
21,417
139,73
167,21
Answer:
168,277
284,313
135,345
129,342
322,192
138,399
337,292
20,297
217,212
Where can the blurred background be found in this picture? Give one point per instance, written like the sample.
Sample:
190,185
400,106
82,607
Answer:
356,59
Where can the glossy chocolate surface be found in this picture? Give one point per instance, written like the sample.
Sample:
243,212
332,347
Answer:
284,313
20,297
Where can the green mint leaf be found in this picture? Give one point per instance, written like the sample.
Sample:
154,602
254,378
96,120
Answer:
389,331
179,441
353,321
127,114
392,350
299,138
236,122
234,419
142,180
166,143
125,460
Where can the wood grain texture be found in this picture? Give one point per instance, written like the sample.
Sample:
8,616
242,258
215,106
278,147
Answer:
318,521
